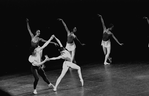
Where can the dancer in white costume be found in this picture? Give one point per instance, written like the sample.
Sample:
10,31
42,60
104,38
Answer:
106,43
65,54
70,45
37,65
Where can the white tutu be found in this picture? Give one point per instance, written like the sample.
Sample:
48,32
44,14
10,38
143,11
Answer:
70,47
106,43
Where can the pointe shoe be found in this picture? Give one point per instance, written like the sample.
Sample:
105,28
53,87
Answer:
106,63
55,89
35,92
82,82
51,85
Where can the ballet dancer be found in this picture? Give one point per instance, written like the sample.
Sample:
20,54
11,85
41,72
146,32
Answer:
65,54
106,43
37,65
70,45
34,38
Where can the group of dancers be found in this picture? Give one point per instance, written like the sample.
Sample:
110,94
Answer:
67,53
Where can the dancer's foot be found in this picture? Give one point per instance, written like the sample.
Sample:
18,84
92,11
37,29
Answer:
55,89
82,82
106,63
35,92
51,85
110,59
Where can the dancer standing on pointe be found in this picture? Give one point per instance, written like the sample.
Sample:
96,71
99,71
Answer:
106,43
65,54
37,65
70,45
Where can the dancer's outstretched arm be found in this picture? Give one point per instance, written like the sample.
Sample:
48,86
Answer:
116,39
29,30
46,59
146,19
79,41
59,42
55,58
42,40
102,21
45,44
66,28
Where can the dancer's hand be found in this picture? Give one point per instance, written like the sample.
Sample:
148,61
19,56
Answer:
27,19
145,17
46,57
121,44
52,36
82,44
60,19
99,15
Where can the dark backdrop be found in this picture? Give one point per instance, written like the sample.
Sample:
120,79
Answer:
127,17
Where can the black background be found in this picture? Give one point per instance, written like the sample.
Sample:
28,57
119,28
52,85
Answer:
127,17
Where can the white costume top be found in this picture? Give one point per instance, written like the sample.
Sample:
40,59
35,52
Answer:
35,60
66,55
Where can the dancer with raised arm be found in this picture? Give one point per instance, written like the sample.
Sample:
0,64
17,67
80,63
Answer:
65,54
106,43
34,38
37,65
70,45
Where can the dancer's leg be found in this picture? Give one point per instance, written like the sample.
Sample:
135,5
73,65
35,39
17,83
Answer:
64,70
35,74
43,75
107,55
73,55
75,66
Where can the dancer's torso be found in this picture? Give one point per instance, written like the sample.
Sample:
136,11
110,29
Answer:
106,36
70,38
66,55
37,57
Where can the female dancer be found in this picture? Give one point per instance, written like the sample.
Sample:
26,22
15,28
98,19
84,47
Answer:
70,46
34,38
37,65
106,44
65,54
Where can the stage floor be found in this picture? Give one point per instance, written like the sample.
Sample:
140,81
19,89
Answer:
100,80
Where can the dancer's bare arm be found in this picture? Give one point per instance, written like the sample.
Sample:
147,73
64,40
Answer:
102,21
55,58
66,28
41,39
45,44
116,39
41,63
59,42
29,30
79,41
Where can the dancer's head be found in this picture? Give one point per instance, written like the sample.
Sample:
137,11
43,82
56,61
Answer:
74,29
37,32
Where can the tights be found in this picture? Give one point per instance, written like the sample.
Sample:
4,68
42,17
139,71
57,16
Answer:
38,70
